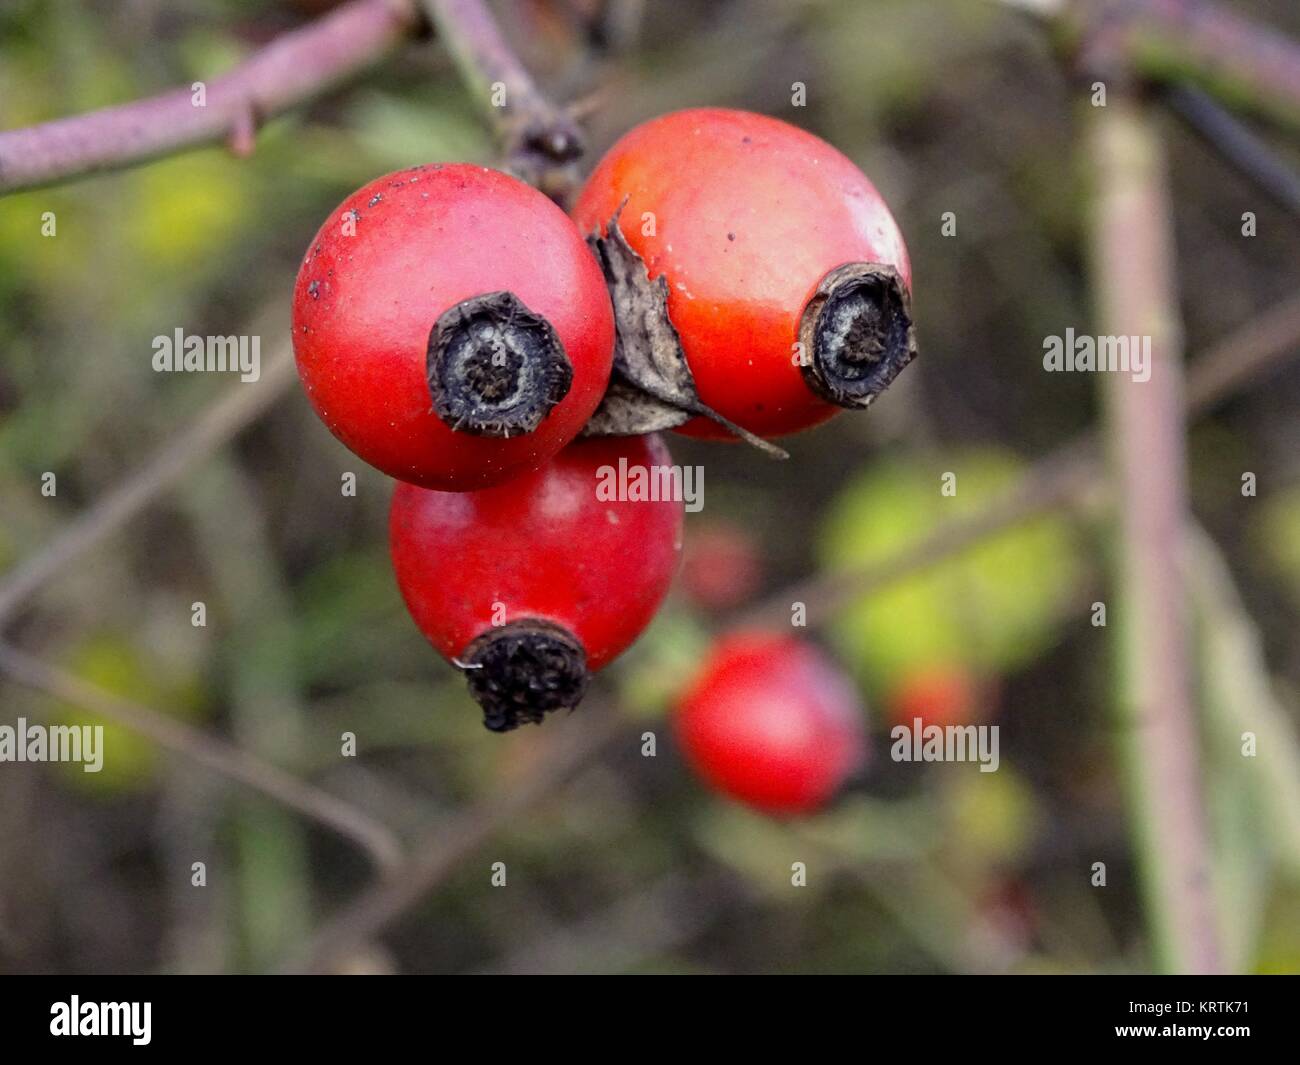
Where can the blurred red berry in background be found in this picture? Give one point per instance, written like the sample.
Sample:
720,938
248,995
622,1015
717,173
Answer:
771,721
938,695
722,568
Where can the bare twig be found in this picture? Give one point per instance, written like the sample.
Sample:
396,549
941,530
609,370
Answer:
540,141
1162,41
646,925
242,404
1133,270
1238,59
209,751
291,70
441,853
1248,153
1248,353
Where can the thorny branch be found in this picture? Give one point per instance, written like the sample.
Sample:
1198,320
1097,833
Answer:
541,141
1165,40
291,70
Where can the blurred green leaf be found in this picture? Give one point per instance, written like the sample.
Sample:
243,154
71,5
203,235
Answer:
115,664
992,608
183,211
1238,699
1276,534
394,133
993,817
661,662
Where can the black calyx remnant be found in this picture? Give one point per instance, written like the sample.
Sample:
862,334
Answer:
495,368
856,333
651,387
520,672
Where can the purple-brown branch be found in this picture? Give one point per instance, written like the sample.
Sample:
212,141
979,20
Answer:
291,70
1159,38
540,141
1169,38
1169,41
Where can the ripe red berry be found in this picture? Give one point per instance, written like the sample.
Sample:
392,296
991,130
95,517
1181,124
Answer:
767,238
770,721
939,695
451,326
721,567
532,586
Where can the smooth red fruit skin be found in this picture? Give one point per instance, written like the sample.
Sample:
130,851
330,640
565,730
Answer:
770,721
750,213
426,239
543,547
938,695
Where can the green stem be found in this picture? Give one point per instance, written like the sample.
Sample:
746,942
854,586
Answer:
1133,278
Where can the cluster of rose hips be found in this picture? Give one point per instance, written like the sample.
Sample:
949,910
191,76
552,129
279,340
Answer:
723,274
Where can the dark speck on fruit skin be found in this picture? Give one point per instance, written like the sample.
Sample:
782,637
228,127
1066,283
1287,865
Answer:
731,236
313,290
744,140
375,199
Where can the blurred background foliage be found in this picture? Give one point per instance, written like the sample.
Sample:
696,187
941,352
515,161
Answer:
950,105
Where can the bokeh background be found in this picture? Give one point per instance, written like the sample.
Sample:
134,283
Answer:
619,862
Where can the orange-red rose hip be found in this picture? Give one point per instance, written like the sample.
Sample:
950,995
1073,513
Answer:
768,239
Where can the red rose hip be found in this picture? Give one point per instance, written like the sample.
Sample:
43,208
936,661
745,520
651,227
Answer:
532,586
770,721
451,327
939,695
721,566
787,279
